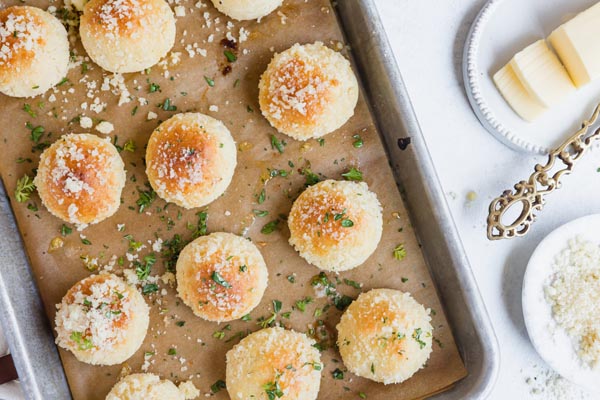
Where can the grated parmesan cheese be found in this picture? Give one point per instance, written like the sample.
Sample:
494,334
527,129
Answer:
574,294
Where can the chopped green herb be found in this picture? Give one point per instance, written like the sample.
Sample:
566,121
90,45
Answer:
373,368
270,227
63,81
82,343
358,142
219,280
342,302
246,318
362,395
210,81
321,142
27,108
276,306
65,230
84,67
129,146
273,390
146,198
172,351
21,160
243,268
167,105
219,335
217,386
143,269
399,252
262,196
417,336
249,109
86,242
301,304
36,132
276,144
346,223
32,207
149,288
404,280
354,284
337,374
353,175
311,177
201,226
291,278
24,189
153,88
260,213
230,56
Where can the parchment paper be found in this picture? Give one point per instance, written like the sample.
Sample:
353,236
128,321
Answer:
201,356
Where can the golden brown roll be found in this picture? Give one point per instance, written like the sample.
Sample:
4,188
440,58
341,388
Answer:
336,225
308,91
80,178
190,159
274,361
127,35
34,51
221,277
385,336
246,9
102,320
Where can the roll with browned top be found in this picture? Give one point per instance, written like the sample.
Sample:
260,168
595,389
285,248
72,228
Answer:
80,178
127,35
221,277
336,225
102,320
190,159
308,91
34,51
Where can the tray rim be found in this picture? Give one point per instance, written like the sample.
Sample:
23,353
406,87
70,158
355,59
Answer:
381,76
41,378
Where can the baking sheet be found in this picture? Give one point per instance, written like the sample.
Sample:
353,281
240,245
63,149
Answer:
238,108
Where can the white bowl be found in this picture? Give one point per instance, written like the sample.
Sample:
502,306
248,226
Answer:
551,341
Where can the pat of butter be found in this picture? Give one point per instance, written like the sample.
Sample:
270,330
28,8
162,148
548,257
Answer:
577,43
542,74
516,95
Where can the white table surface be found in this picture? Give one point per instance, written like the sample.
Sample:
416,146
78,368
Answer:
428,38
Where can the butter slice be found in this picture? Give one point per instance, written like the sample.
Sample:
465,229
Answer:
577,43
542,74
516,95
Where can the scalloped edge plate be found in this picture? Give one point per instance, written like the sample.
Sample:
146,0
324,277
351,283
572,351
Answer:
490,45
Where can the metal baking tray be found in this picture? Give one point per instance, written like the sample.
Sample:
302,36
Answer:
29,333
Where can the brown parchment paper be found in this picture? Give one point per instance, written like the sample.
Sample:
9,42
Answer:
201,356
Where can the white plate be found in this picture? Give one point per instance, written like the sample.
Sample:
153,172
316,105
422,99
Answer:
550,341
503,28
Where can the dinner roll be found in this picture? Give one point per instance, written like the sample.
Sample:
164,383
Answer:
102,320
274,361
246,9
190,159
80,178
149,387
385,336
221,277
308,91
127,35
336,225
34,51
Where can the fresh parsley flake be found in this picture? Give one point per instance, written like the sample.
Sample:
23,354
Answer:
353,175
399,252
220,280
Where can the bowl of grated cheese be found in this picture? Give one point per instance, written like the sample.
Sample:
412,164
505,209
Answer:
561,301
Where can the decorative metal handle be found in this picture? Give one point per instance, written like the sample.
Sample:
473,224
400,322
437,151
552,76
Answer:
545,180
